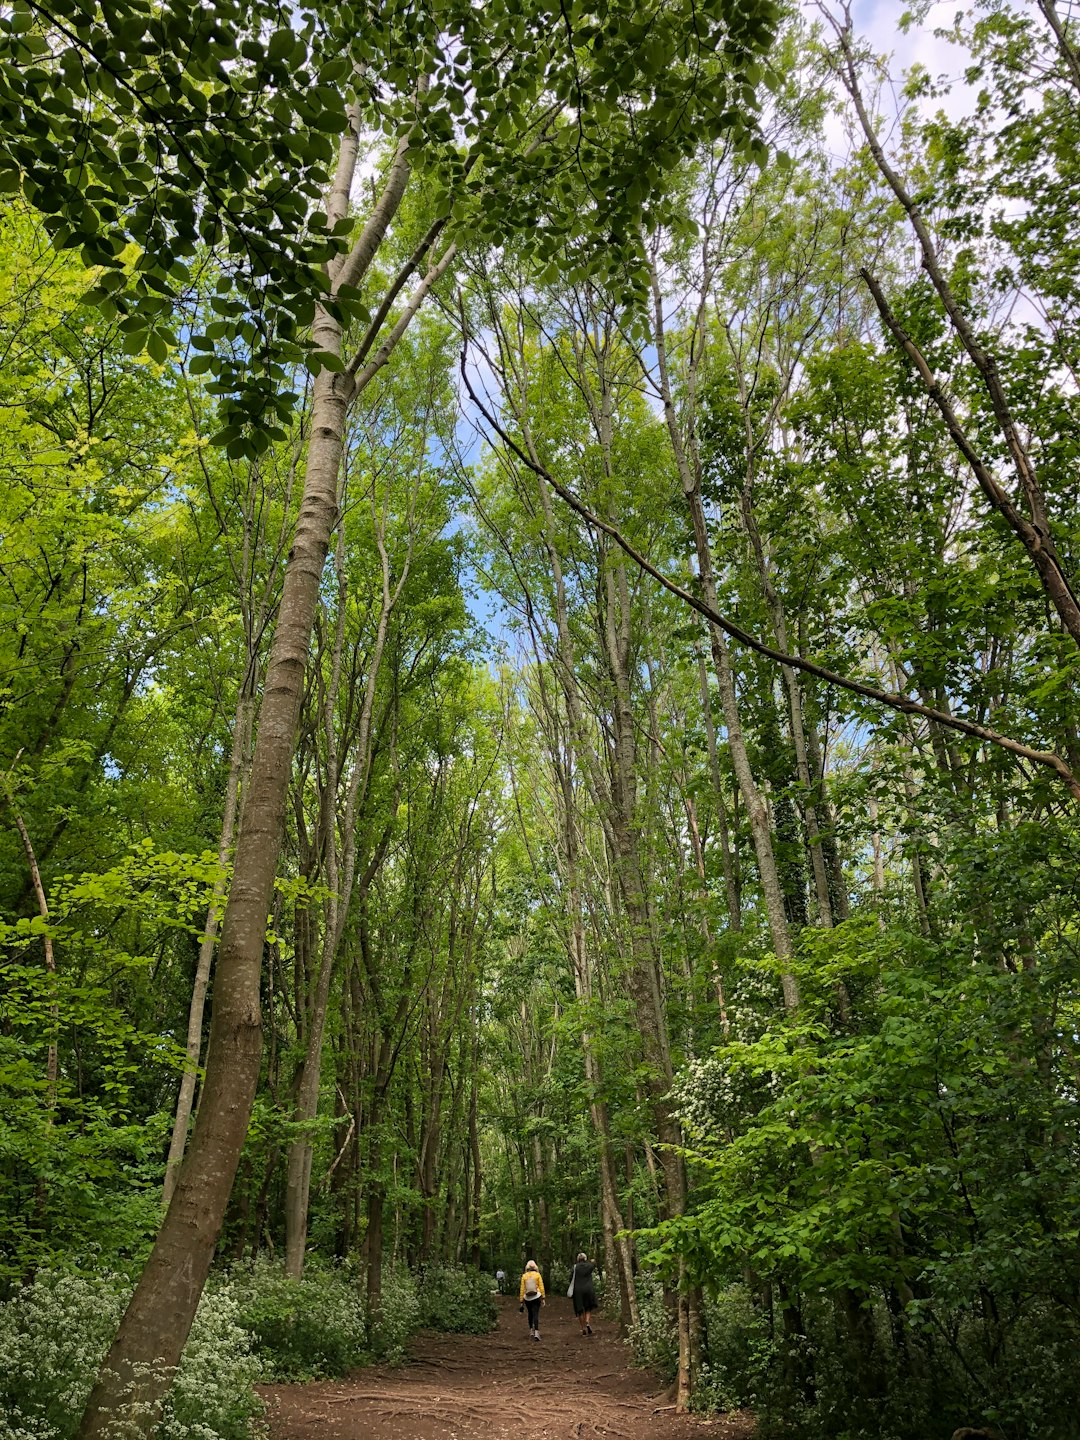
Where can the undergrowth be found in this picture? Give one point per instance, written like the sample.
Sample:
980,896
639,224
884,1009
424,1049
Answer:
253,1325
55,1332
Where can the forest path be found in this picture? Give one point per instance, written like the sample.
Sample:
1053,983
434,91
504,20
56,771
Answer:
502,1386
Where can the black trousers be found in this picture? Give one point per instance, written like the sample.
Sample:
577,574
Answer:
533,1307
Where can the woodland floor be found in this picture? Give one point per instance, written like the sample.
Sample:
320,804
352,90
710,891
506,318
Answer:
502,1386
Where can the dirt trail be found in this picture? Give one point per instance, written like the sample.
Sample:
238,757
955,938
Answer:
501,1386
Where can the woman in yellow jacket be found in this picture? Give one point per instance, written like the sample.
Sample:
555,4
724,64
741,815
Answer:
531,1297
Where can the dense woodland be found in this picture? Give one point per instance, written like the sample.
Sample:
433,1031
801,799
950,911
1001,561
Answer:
538,693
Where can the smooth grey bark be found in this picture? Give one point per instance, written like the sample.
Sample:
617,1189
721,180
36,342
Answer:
138,1370
254,617
298,1160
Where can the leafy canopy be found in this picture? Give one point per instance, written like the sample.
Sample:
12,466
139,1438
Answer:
148,133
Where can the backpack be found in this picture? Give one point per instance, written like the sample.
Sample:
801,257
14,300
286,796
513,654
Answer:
532,1285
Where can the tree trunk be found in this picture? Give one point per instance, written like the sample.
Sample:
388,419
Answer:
473,1229
374,1242
756,810
301,1150
51,1054
837,884
245,709
728,859
794,694
142,1361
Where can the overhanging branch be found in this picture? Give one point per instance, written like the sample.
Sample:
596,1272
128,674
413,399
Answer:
1048,759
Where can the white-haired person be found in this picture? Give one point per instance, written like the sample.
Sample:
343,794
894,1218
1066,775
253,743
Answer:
583,1292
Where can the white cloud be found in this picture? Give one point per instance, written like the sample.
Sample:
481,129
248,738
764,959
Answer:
878,22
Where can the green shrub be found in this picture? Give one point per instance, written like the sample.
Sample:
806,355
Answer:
302,1329
253,1324
213,1395
919,1382
318,1326
654,1339
455,1299
740,1353
53,1335
55,1332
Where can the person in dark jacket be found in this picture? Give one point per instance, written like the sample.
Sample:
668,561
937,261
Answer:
584,1291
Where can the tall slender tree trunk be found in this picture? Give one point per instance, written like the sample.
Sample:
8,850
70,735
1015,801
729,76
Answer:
255,617
756,809
703,918
142,1360
728,858
643,977
618,1255
837,884
52,1066
373,1240
794,695
300,1151
432,1137
242,725
878,871
473,1228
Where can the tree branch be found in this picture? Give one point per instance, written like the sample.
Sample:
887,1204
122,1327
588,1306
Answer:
387,348
1046,758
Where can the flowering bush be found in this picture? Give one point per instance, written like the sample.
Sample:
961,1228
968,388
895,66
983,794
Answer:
253,1324
213,1398
53,1335
398,1318
55,1332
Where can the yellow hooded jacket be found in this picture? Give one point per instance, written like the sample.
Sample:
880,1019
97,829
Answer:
539,1281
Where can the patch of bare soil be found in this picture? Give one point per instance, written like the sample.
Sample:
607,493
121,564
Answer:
501,1386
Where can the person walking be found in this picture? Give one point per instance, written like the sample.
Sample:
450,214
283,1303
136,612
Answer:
583,1291
531,1297
500,1281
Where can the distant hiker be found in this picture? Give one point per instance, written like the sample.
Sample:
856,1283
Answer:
583,1292
500,1281
531,1297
